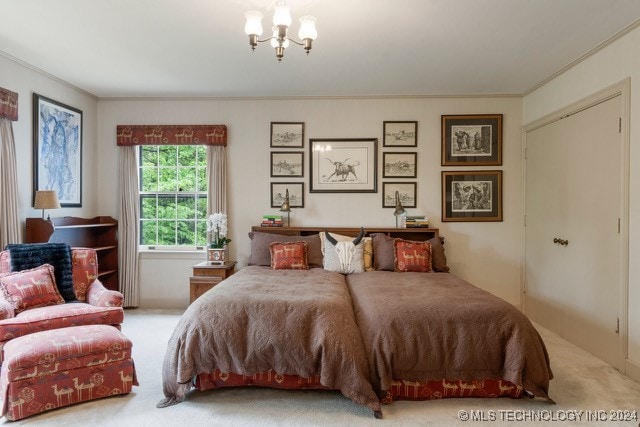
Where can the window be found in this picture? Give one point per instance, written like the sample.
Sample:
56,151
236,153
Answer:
173,195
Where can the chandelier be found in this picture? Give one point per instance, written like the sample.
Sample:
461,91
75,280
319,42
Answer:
281,23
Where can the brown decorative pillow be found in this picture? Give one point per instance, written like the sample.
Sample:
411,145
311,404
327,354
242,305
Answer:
289,256
412,256
383,253
31,288
260,251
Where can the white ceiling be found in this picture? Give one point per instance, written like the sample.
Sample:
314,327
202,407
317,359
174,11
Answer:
197,48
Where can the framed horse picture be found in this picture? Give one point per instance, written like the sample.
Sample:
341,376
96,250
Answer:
472,140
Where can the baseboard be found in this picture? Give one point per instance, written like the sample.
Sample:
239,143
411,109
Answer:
632,369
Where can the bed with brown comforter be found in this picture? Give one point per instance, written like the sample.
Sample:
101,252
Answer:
289,322
433,335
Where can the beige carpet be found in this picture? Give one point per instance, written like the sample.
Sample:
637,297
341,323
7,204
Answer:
581,383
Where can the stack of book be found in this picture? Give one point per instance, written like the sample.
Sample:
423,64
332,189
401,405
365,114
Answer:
271,221
416,221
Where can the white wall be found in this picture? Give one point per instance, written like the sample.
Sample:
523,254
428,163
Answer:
25,81
487,254
611,65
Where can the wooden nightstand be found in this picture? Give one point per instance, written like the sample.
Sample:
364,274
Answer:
206,276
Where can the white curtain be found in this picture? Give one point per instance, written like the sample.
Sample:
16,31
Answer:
10,228
217,178
129,230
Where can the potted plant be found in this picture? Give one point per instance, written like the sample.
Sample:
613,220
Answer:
217,249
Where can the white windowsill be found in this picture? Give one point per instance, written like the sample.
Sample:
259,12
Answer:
168,254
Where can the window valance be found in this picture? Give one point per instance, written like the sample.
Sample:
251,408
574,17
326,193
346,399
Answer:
8,104
129,135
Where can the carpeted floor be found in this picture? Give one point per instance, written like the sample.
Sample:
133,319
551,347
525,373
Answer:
581,383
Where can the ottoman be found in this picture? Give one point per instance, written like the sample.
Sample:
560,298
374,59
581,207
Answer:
60,367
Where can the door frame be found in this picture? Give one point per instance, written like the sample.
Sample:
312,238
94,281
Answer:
622,89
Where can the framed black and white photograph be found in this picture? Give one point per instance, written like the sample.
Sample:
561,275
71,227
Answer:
406,194
472,196
343,165
287,164
399,165
287,134
57,150
472,140
279,191
400,134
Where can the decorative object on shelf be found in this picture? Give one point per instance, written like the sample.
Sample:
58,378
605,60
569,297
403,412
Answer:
281,21
416,221
472,196
217,248
287,134
472,140
46,199
399,165
287,164
400,134
350,166
405,192
57,150
271,221
286,207
399,210
279,191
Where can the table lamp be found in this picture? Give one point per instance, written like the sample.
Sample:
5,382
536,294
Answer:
46,199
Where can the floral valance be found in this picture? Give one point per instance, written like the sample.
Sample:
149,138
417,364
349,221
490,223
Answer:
128,135
8,104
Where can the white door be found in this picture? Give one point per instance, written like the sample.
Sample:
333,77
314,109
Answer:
572,240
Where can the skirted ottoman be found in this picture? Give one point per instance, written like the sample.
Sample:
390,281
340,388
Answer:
60,367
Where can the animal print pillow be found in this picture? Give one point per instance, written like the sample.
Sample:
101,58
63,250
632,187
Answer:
289,256
31,288
412,256
346,257
367,249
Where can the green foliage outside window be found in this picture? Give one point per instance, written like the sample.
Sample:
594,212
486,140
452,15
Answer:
173,195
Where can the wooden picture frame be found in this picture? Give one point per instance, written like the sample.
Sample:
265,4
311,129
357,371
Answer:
472,196
347,165
57,150
399,165
287,135
296,194
400,134
472,140
407,192
288,164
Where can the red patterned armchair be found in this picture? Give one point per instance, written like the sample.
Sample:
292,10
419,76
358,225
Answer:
96,306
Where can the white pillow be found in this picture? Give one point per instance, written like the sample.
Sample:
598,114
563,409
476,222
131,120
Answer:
344,257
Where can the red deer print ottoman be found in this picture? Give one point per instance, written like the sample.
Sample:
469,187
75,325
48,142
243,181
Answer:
60,367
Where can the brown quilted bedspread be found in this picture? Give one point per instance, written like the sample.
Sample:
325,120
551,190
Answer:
293,322
430,326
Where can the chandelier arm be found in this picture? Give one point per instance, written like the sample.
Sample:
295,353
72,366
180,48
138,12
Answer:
296,42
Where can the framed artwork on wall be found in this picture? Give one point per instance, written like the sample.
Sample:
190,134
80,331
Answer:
57,150
287,134
400,134
287,164
343,165
472,196
399,165
472,140
296,194
406,194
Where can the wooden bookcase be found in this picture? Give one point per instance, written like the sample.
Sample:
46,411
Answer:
99,233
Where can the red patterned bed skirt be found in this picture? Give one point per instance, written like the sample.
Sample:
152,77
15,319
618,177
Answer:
400,389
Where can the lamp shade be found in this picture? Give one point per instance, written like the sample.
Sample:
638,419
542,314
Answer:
46,199
307,28
282,16
254,23
286,206
399,208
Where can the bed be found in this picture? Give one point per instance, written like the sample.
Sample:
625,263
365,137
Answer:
376,336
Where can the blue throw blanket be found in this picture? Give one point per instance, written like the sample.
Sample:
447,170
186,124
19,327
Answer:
32,255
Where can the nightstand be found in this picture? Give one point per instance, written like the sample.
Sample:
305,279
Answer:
206,276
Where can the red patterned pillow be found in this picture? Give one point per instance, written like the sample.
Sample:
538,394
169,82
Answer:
289,256
31,288
411,256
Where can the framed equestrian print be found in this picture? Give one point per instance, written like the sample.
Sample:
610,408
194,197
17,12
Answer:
472,196
287,134
343,165
472,140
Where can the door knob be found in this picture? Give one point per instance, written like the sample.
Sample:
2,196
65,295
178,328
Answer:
560,241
